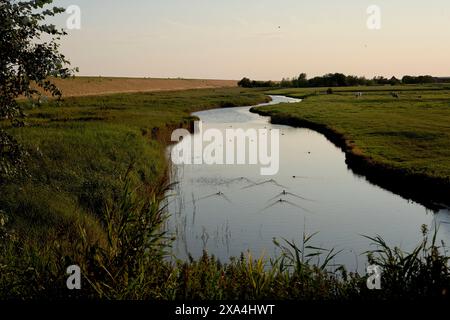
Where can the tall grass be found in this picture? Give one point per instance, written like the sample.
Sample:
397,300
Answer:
423,272
132,264
79,151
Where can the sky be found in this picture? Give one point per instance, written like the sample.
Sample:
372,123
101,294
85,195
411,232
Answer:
260,39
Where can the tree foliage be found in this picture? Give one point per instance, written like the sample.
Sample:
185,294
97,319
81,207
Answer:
247,83
418,80
339,80
29,58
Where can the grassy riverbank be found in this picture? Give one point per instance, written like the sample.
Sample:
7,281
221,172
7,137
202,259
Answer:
94,197
400,143
81,150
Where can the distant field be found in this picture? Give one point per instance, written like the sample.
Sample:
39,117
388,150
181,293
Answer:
88,86
302,92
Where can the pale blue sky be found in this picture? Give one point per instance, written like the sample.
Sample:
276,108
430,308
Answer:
262,39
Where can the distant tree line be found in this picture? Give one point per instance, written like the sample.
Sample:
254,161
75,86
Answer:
247,83
338,80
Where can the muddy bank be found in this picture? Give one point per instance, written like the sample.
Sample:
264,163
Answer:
431,192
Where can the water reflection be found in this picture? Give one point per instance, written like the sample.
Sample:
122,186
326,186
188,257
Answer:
229,209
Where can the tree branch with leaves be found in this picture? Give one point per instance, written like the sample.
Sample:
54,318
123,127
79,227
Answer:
29,60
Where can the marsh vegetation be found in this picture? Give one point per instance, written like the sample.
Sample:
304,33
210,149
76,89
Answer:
93,196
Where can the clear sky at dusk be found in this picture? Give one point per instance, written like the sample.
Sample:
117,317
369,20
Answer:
261,39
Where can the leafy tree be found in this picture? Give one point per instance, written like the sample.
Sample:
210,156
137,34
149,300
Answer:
408,79
245,83
426,79
394,81
287,83
419,79
381,80
302,80
339,80
27,65
352,80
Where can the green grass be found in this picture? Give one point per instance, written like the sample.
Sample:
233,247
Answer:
131,264
410,134
301,92
81,150
94,197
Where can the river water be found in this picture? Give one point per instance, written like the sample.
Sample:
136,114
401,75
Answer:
230,209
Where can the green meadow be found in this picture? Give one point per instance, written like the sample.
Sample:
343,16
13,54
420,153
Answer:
81,149
93,195
409,135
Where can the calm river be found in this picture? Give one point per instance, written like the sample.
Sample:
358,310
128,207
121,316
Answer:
229,209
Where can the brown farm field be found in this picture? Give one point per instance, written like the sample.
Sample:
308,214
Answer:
88,86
